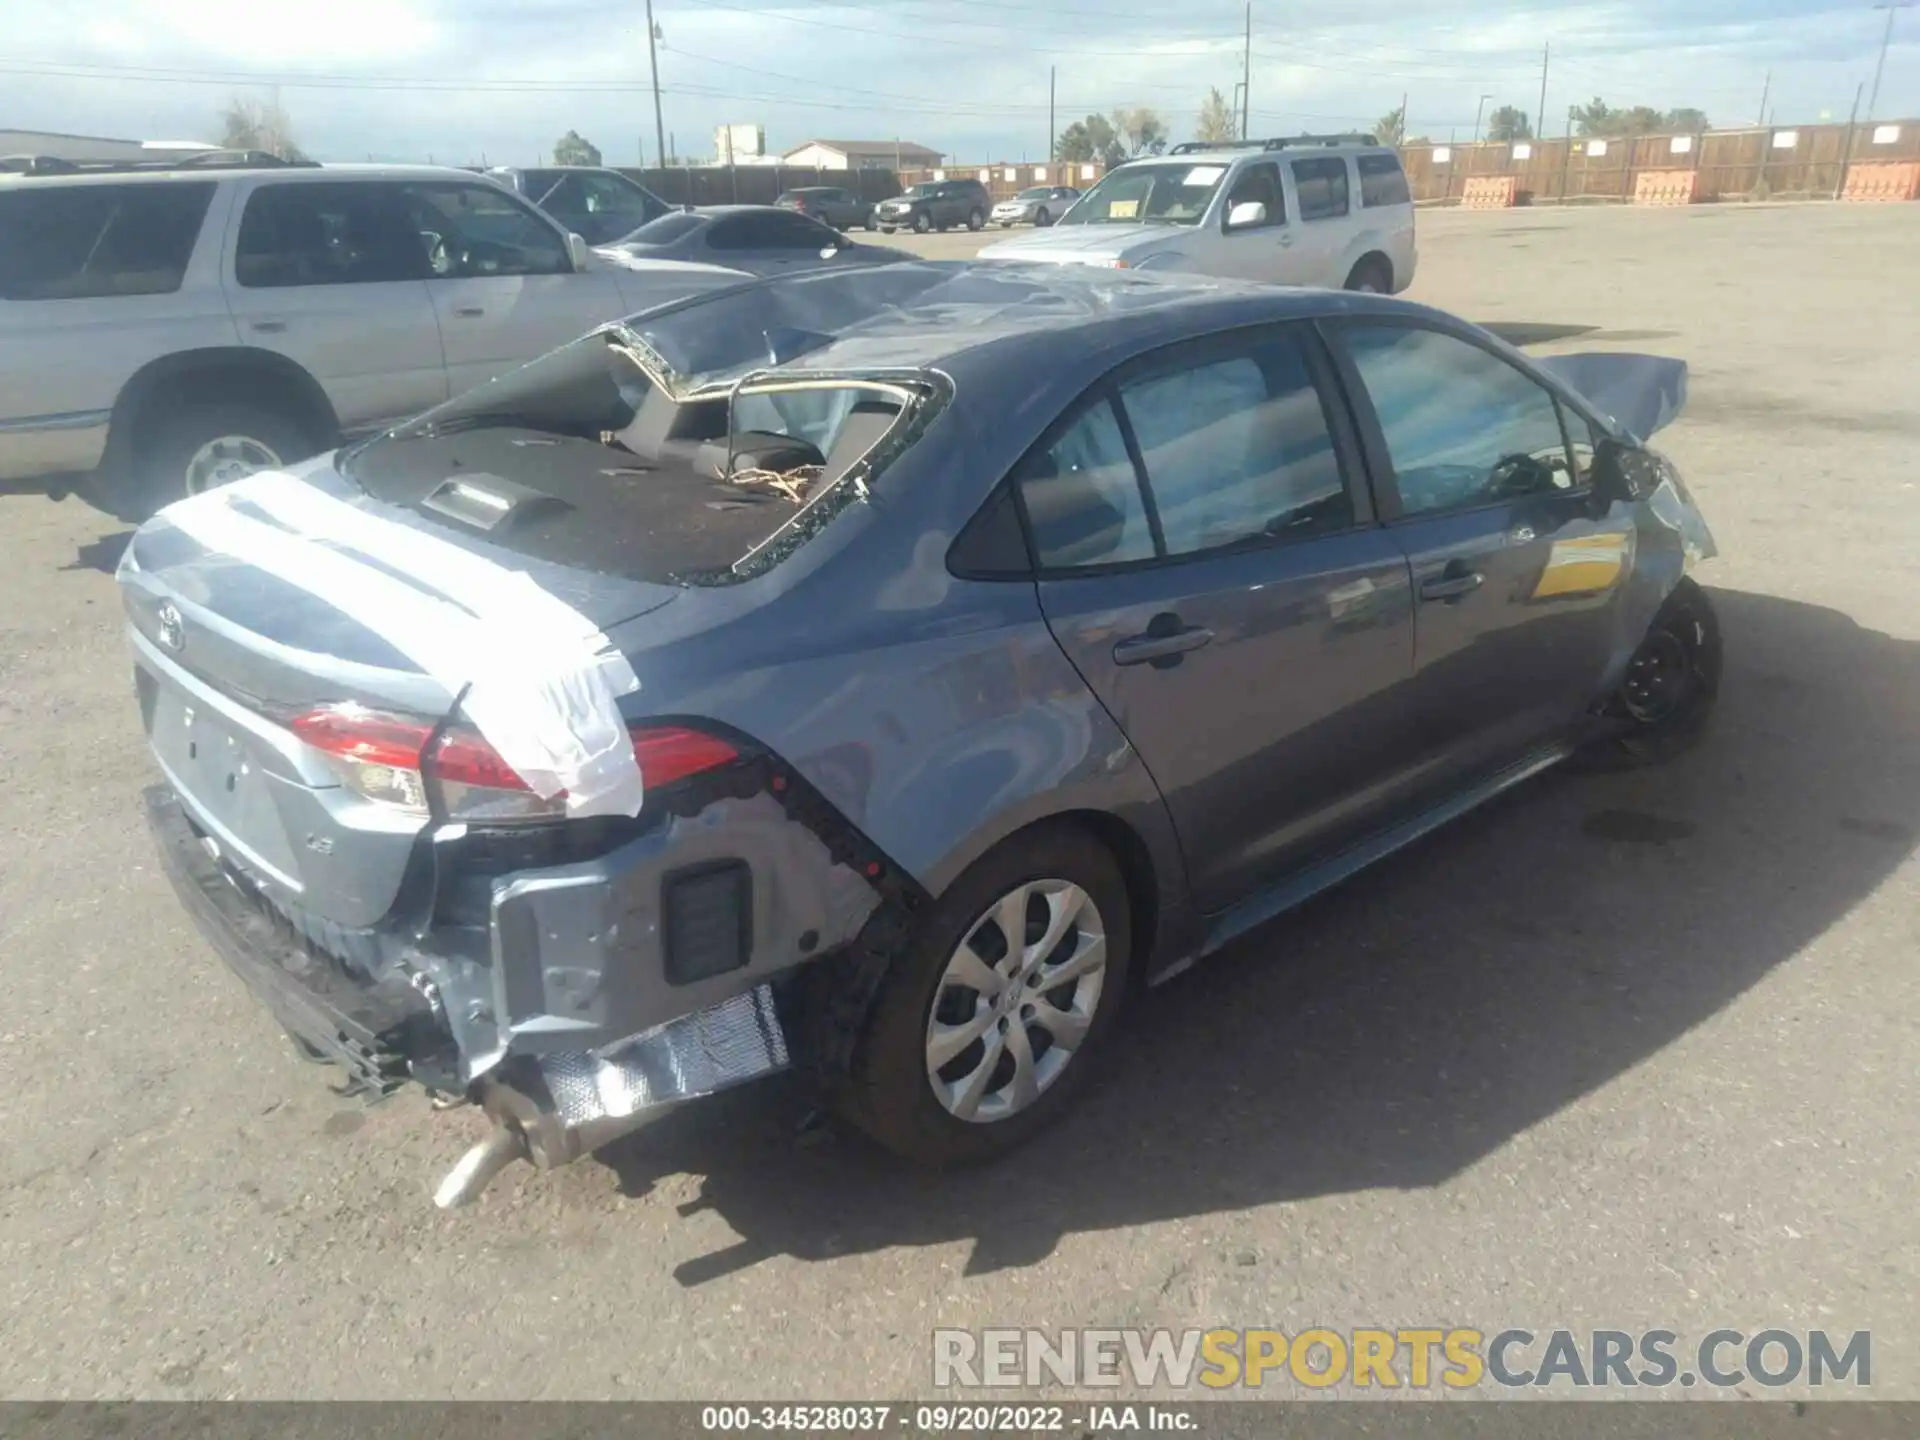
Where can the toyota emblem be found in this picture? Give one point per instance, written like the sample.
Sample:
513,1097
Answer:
173,633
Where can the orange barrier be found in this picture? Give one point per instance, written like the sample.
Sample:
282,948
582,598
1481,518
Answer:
1665,187
1884,180
1490,192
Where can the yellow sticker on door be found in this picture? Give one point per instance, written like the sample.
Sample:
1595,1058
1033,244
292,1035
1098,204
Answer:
1584,565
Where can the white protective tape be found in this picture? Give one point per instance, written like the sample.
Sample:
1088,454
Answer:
541,681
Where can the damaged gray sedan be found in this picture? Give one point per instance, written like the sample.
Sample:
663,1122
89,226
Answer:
887,674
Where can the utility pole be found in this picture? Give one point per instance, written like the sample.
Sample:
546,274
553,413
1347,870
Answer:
1052,71
1540,115
1846,153
1403,121
1246,75
1480,111
653,64
1765,90
1892,7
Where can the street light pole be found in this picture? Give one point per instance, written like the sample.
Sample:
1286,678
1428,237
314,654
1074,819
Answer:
653,64
1246,74
1892,7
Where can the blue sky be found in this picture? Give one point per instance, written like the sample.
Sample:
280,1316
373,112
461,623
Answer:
464,80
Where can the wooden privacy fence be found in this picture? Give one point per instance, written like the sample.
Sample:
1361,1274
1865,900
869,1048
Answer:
755,184
1801,160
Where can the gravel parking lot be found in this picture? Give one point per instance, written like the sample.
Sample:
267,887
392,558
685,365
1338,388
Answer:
1618,1052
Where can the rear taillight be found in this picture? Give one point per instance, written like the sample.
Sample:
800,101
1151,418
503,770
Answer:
398,759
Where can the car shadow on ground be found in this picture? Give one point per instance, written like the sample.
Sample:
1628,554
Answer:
1400,1028
102,554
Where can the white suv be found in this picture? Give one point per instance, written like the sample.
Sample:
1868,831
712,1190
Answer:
1325,210
166,330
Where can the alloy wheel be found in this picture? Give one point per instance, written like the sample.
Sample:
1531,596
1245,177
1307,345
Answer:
228,458
1016,1000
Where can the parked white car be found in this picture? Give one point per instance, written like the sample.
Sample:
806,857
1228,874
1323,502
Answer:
163,330
1325,210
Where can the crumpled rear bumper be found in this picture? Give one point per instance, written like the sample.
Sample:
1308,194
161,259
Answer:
382,1032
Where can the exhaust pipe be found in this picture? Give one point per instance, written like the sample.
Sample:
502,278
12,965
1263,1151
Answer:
552,1109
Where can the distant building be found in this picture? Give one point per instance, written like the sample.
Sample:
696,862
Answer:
739,144
92,147
863,155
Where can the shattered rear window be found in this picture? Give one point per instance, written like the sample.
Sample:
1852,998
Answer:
596,456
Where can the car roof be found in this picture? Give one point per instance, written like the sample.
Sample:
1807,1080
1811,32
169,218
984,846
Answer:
1227,154
293,174
929,314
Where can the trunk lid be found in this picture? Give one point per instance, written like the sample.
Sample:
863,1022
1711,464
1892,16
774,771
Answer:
226,652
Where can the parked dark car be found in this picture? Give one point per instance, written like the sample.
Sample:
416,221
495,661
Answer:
935,205
887,671
830,205
595,203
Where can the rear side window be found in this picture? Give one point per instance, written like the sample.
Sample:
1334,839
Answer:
1322,187
769,230
93,241
1082,496
1382,181
667,229
355,234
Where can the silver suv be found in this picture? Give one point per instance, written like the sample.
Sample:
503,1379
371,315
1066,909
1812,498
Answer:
163,331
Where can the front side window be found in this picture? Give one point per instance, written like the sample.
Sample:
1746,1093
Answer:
476,231
1238,449
79,242
1166,192
1321,185
321,234
1082,496
1462,426
1258,184
1382,181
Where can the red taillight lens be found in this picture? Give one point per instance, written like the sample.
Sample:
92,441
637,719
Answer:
669,753
387,758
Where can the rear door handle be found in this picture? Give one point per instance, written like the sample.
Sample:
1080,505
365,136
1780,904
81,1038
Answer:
1147,648
469,312
268,327
1451,585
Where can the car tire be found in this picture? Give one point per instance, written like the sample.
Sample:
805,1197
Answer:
1041,219
1006,224
205,446
891,1093
1370,276
976,220
867,224
922,223
1666,701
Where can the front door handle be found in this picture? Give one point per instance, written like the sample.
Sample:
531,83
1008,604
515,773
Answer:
1452,584
268,327
469,312
1160,645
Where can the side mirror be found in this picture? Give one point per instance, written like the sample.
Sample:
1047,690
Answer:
1620,472
1246,215
577,251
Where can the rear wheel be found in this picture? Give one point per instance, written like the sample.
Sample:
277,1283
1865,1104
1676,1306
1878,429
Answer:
976,220
206,446
1000,1005
1371,276
1667,697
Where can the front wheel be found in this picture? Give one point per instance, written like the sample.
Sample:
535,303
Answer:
922,223
1042,219
1667,697
1000,1004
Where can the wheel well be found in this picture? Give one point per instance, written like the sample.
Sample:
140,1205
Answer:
1129,851
1373,260
203,377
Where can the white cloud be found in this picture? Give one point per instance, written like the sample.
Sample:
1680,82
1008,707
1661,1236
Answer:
462,80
